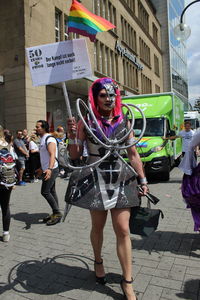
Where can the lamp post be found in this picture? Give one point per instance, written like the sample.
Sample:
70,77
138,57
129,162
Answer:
182,31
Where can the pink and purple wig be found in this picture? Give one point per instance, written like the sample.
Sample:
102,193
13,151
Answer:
96,87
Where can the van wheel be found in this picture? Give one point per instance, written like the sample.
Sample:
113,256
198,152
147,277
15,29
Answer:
177,161
165,176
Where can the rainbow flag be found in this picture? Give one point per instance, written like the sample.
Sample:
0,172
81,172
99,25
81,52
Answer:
83,22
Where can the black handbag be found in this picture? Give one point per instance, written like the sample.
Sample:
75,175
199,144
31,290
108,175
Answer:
144,220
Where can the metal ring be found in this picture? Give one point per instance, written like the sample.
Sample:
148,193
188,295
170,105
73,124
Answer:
112,143
142,132
86,125
91,165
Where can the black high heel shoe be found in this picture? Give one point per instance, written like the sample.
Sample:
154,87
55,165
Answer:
102,280
128,282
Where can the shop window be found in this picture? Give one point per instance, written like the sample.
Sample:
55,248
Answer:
157,89
106,10
106,61
155,33
143,16
130,75
112,17
128,34
130,4
156,66
146,85
145,52
66,35
58,25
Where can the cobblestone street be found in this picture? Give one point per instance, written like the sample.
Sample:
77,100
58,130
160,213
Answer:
56,262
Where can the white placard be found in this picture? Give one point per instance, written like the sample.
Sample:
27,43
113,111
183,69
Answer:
58,62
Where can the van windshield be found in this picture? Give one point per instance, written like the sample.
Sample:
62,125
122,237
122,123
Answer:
155,127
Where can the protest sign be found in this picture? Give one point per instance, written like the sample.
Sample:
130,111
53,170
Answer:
58,62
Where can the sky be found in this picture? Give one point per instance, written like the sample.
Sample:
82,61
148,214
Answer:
192,16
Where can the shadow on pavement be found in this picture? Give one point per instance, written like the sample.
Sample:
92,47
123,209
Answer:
57,275
175,181
29,219
174,242
158,180
190,290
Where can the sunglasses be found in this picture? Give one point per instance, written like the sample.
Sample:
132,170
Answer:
103,95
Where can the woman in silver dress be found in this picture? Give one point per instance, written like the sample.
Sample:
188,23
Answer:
111,185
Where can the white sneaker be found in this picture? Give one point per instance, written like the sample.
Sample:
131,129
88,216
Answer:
6,237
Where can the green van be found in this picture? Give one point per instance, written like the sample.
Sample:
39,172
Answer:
165,117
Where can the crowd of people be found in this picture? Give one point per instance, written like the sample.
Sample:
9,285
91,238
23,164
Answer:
25,151
110,185
30,156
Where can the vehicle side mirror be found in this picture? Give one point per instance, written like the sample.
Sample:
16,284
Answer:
172,132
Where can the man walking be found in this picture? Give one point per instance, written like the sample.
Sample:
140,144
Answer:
186,136
49,170
22,154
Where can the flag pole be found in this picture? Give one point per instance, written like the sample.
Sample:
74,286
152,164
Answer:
69,111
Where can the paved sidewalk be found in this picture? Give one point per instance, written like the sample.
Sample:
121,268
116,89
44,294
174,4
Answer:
55,262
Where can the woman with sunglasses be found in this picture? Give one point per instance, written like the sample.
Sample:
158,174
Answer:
111,185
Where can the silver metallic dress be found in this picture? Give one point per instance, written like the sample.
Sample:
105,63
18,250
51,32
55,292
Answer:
111,184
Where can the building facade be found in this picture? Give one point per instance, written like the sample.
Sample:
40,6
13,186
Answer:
131,54
175,78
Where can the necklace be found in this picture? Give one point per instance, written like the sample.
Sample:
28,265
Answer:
107,118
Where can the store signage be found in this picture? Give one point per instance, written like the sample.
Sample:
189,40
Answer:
58,62
126,53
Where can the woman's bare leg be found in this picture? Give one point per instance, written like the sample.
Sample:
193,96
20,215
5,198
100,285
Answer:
98,219
120,220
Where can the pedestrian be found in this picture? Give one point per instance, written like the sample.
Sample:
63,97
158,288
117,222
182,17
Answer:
5,193
66,169
22,154
109,186
34,157
9,139
61,134
49,170
191,180
6,131
186,135
26,139
61,137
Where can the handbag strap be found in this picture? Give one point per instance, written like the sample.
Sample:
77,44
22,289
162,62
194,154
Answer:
150,197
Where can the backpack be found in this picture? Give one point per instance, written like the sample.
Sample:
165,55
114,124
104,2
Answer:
7,168
62,151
